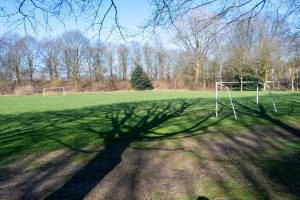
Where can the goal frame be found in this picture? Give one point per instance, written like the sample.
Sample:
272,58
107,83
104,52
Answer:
54,88
223,84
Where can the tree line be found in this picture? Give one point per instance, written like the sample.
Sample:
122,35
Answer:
262,48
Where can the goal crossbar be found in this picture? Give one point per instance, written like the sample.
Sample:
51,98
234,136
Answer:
222,84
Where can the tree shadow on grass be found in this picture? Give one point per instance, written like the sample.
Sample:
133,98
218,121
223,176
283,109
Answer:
262,113
96,169
111,129
114,127
283,169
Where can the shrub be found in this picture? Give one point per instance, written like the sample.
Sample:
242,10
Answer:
55,83
139,79
24,90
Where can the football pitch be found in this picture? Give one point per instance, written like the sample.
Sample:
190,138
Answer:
150,145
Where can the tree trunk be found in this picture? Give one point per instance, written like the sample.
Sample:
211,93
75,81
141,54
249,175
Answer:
197,73
241,78
266,71
265,85
293,77
18,76
297,81
266,81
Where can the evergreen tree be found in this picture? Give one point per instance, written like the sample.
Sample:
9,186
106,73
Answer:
139,79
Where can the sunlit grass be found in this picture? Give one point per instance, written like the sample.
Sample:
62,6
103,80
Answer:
30,124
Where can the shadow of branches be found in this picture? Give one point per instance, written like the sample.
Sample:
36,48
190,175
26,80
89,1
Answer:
104,133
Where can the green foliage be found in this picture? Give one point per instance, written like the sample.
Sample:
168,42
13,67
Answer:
139,79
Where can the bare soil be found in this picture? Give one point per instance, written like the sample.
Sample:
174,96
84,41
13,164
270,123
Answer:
167,169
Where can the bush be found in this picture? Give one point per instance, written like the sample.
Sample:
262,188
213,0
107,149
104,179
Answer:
24,90
55,83
6,87
139,79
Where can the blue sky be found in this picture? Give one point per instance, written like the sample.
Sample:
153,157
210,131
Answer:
131,13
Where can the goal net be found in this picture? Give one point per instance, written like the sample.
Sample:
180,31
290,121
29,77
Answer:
54,90
219,85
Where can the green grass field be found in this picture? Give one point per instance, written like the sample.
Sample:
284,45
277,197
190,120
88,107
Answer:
94,126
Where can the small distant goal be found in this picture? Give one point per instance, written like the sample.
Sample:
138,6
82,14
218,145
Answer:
54,90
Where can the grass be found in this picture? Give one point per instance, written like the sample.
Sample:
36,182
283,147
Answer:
30,124
81,122
225,189
21,104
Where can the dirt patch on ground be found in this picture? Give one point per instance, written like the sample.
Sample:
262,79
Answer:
168,169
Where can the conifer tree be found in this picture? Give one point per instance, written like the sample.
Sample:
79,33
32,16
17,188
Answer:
139,79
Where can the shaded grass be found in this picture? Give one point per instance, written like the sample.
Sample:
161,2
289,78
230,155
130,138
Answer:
282,168
226,189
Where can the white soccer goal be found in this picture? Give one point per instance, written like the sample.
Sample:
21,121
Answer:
54,90
223,84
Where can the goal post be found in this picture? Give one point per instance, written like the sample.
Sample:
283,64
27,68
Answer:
270,94
55,89
232,105
257,83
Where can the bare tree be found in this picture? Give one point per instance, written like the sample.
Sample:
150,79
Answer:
241,45
14,57
163,13
268,39
166,12
95,59
148,53
74,46
123,52
160,59
264,61
31,52
136,54
50,51
294,59
35,14
179,67
215,69
6,73
110,59
197,41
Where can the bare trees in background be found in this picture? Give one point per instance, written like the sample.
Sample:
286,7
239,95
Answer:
13,58
161,61
166,12
110,60
148,53
49,57
197,40
241,51
294,61
259,49
123,53
73,46
31,53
